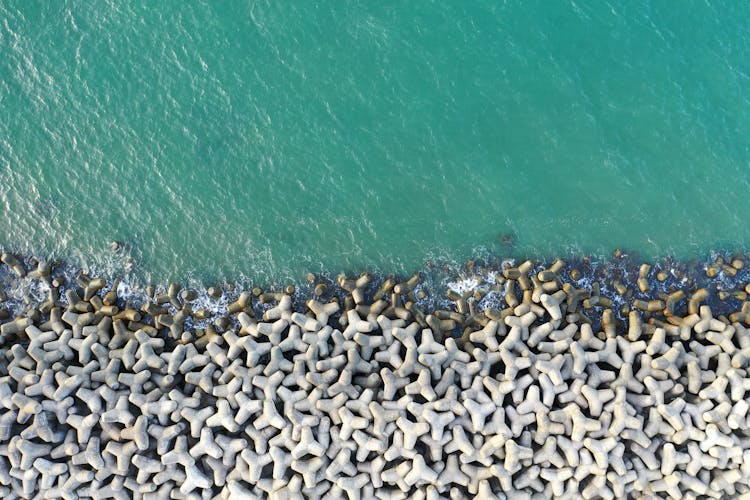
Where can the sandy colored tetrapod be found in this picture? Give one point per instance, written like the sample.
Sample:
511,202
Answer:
322,402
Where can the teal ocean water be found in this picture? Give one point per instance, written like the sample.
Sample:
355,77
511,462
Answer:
268,139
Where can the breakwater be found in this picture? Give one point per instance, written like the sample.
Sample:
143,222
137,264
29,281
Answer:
608,379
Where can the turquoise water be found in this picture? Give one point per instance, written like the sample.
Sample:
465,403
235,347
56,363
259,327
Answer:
267,139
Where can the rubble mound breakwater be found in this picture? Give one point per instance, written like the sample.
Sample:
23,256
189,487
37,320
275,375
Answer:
565,388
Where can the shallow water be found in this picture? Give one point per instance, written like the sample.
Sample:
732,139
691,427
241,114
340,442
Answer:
266,141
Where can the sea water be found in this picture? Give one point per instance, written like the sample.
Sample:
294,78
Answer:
269,139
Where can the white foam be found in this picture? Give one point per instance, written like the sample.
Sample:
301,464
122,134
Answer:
24,292
464,285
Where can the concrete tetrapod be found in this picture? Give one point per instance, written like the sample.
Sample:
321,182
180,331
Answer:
364,401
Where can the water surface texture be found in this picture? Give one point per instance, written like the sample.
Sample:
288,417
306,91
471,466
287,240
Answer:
267,139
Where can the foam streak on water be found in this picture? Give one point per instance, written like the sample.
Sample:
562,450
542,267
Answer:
269,140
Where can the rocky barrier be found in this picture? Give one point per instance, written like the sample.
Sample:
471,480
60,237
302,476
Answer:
524,381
